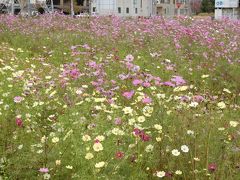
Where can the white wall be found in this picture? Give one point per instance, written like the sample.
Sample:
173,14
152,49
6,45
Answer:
136,7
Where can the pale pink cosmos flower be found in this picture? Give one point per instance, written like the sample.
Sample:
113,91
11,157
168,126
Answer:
18,99
146,84
178,80
43,170
146,100
118,121
128,94
137,82
129,58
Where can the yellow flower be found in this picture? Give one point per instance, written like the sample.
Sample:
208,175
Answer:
97,147
178,172
221,105
147,111
127,110
86,138
180,88
233,123
55,140
117,131
141,119
158,127
205,76
227,91
58,162
100,138
69,167
89,156
100,164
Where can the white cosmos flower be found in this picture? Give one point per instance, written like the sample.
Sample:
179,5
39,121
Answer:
160,174
149,148
184,148
175,152
193,104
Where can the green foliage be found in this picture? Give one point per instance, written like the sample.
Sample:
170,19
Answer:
208,6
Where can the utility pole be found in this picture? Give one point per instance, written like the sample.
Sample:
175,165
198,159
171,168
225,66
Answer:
29,8
12,7
72,10
52,8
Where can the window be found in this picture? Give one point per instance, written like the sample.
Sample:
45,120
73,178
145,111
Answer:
94,9
136,10
119,10
80,2
141,4
56,2
127,10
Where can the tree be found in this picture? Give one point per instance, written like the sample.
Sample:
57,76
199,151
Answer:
195,6
207,6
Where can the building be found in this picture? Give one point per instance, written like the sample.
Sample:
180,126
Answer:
123,7
227,9
170,8
27,6
79,6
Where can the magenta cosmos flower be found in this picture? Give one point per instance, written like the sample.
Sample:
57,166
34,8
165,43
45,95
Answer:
19,122
212,167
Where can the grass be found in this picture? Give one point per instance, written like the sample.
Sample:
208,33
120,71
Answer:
65,89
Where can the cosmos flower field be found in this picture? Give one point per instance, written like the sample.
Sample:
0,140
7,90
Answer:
111,98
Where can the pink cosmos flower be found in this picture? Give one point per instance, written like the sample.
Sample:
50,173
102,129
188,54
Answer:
146,100
96,141
178,80
128,94
136,131
129,58
119,155
144,137
74,73
18,99
137,82
198,98
212,167
43,170
168,83
146,84
118,121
